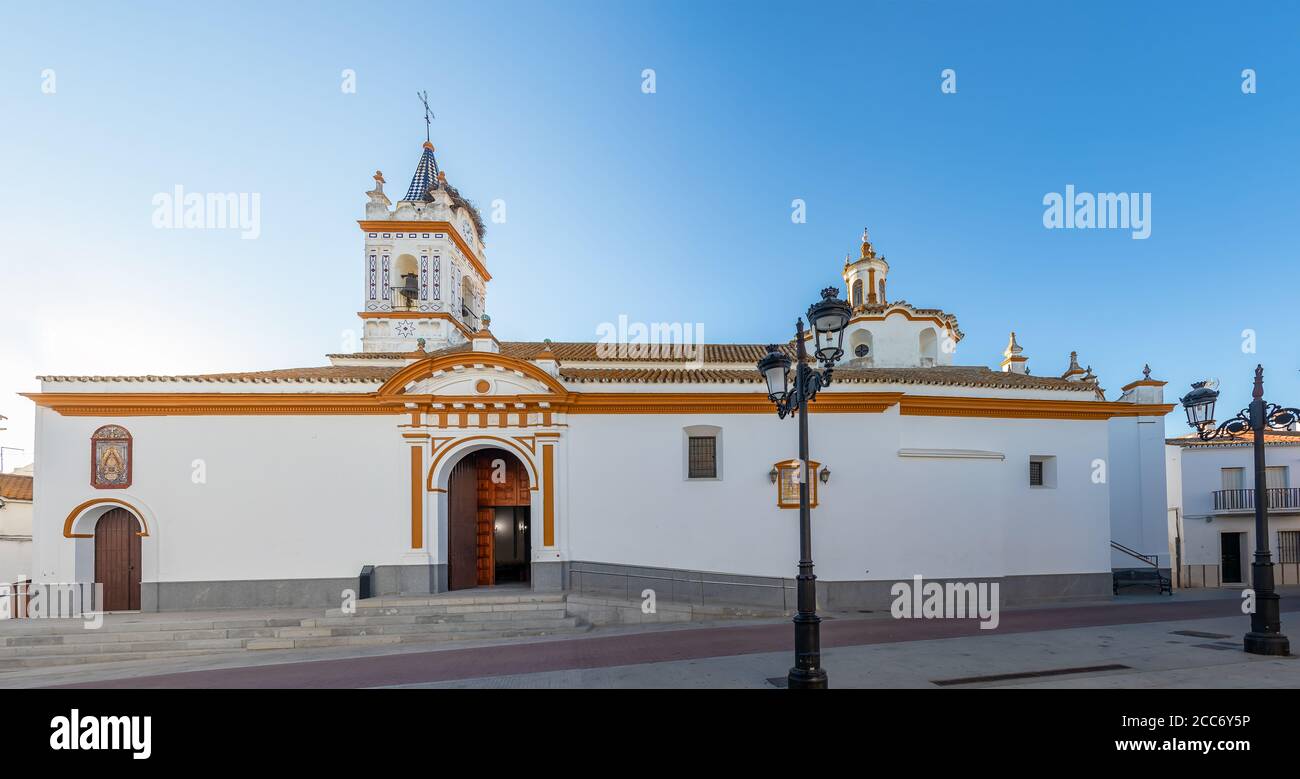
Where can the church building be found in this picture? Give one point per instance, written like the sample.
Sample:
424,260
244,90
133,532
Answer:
575,466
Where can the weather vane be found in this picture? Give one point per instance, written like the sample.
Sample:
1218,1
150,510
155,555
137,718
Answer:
428,115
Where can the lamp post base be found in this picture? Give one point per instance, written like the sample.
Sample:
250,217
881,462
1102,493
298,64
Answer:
1266,644
803,679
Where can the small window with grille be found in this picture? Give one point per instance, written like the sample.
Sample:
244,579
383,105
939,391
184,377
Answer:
1288,546
1042,471
702,454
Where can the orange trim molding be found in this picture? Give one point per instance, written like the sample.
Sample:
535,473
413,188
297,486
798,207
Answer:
417,498
441,452
1143,383
79,510
720,402
390,226
548,496
161,404
1024,408
422,369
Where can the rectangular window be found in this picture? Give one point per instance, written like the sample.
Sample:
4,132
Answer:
702,453
1042,471
1288,546
1234,478
1275,477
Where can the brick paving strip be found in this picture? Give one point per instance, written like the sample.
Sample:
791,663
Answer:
655,647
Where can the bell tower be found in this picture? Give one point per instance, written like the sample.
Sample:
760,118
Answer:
865,276
425,266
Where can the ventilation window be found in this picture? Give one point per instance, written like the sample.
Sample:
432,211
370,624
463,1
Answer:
1042,471
703,457
702,453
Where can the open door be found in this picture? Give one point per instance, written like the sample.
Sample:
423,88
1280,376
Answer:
462,525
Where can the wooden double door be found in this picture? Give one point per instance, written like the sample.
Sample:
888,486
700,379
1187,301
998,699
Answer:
480,484
117,560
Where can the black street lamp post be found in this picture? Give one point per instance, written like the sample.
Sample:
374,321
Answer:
1265,636
828,319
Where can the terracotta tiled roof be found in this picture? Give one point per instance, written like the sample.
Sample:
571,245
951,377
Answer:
743,356
945,375
586,351
1271,438
15,487
332,374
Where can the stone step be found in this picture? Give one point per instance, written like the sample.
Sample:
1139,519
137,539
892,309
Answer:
47,627
471,609
504,631
44,661
427,627
461,600
111,647
436,616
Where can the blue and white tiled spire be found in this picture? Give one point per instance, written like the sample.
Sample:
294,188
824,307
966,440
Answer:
425,178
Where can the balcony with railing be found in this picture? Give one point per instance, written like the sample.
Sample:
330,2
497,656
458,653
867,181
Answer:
1228,501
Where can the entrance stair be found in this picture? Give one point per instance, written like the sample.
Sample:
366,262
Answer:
472,615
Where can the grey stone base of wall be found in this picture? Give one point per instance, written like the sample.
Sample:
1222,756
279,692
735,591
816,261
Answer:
261,593
626,582
549,576
704,588
410,579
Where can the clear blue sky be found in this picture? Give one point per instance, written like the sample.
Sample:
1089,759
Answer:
673,206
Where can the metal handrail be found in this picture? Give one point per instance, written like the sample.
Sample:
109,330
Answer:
1149,559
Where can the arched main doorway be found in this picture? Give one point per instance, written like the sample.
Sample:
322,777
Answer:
117,560
488,501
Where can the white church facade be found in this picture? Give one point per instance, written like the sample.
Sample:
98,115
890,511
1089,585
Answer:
475,462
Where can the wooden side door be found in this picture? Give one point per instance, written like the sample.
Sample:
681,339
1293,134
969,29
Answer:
486,540
117,560
462,525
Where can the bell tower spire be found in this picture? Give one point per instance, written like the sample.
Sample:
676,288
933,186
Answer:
865,276
425,262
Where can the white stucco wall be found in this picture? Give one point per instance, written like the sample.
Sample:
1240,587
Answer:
1138,491
15,539
882,516
285,496
300,497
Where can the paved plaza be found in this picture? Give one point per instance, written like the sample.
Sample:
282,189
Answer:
1138,641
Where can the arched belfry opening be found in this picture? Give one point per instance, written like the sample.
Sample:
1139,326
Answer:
488,539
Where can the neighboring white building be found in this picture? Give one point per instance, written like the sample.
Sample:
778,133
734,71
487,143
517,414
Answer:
15,525
447,459
1212,498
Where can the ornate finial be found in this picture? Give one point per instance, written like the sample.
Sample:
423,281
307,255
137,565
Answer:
1012,346
428,117
868,253
1259,383
1074,361
419,343
830,292
379,178
546,341
487,320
